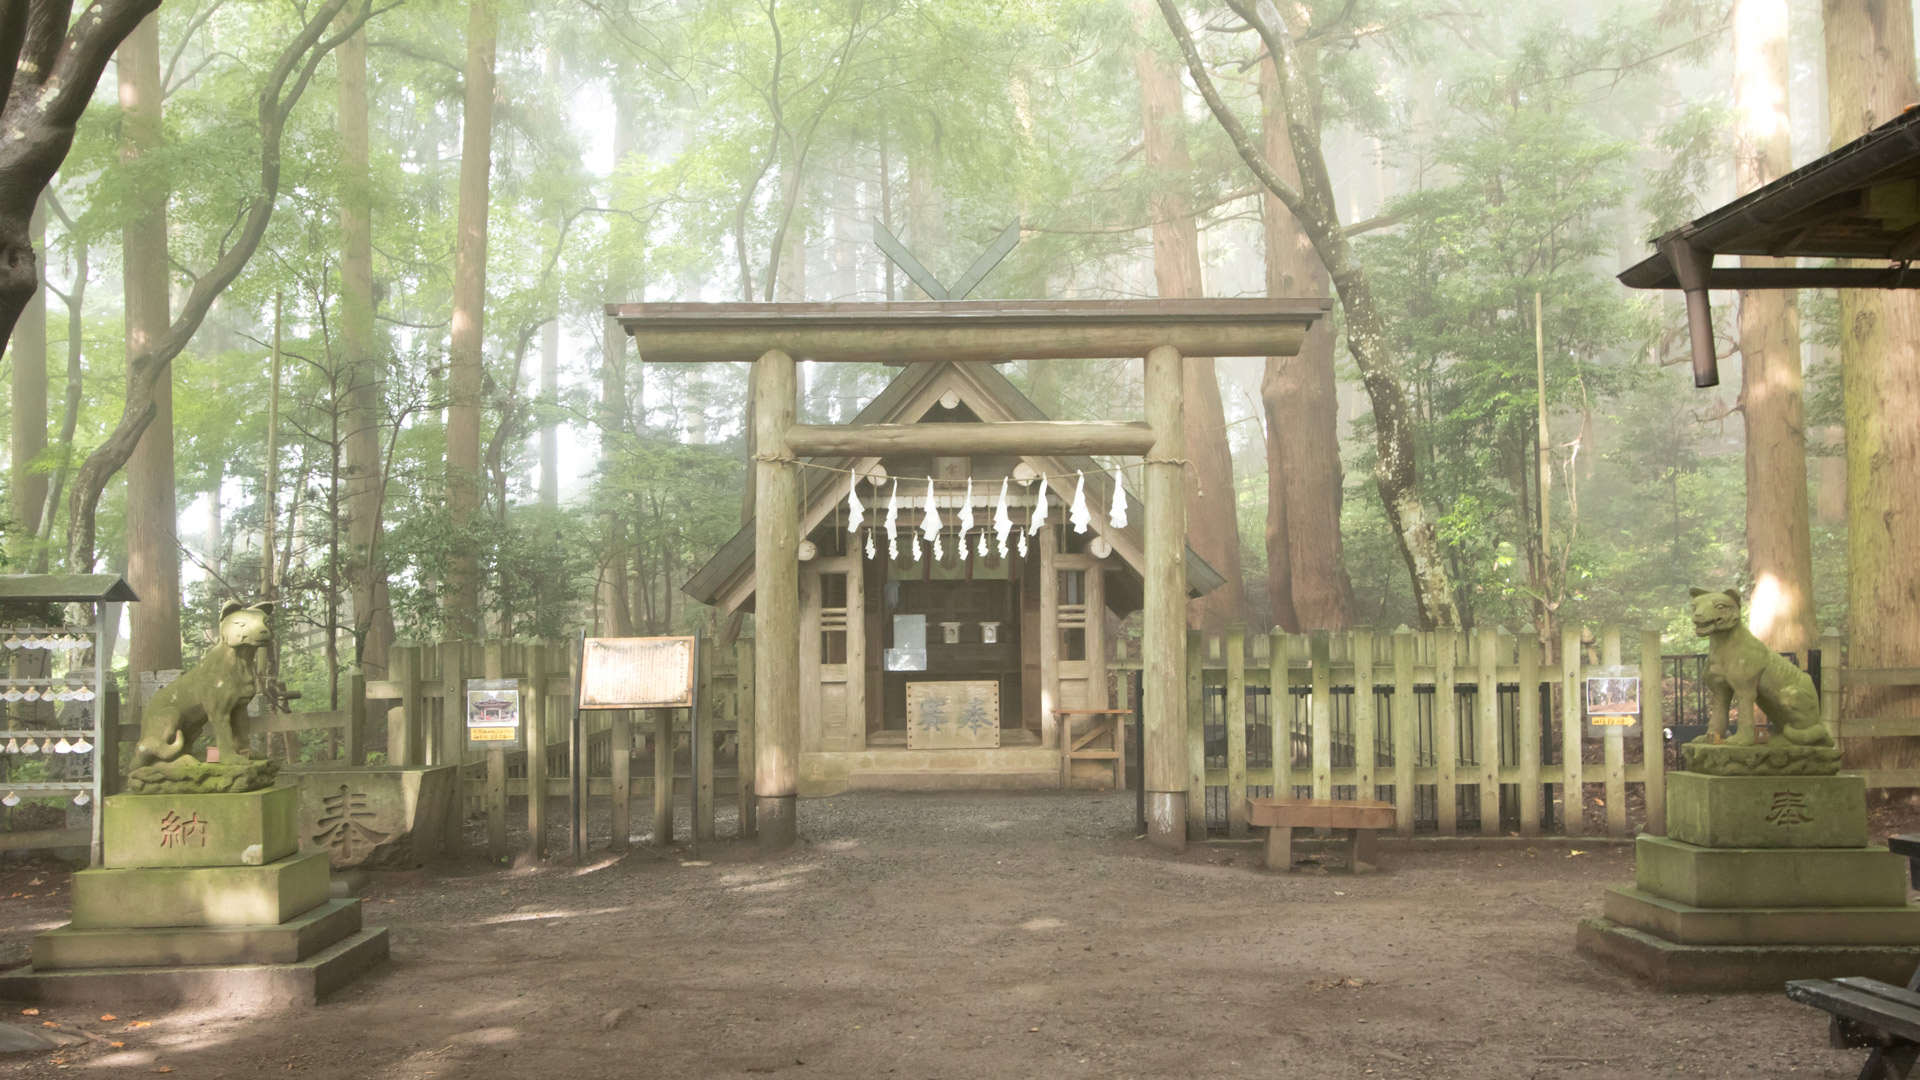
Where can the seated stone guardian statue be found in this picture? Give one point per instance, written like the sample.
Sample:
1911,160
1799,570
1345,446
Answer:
212,694
1746,677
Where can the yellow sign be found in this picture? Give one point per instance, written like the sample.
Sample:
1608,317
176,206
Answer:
491,734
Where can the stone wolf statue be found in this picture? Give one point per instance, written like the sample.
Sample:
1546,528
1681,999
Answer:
1743,672
215,691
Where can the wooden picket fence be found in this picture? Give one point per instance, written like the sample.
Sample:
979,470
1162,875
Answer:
1509,742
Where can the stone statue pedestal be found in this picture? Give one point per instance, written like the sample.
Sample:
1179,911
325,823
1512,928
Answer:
1761,879
203,898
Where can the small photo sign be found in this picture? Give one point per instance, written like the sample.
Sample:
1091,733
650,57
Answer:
1613,697
637,673
493,711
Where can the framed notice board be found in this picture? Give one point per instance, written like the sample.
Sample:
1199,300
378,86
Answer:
637,673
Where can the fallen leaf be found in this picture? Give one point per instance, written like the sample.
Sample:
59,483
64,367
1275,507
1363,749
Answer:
105,1017
140,1024
1033,1029
117,1045
48,1023
1574,852
29,1012
35,881
164,1068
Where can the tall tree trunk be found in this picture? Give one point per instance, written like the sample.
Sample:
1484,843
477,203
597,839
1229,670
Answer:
153,555
616,594
550,423
29,435
1213,520
465,355
364,368
1870,79
1779,537
1304,481
1396,469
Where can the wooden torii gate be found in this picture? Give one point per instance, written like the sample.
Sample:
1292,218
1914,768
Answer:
775,336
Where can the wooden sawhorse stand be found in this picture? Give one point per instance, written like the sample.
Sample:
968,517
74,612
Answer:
1361,820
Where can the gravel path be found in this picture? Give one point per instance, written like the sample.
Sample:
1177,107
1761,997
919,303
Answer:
976,935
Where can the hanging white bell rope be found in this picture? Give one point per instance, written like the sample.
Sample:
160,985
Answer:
930,523
893,517
1118,516
1039,509
1002,520
1079,515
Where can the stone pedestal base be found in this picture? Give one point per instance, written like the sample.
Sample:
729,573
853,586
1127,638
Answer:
1684,924
1672,966
1769,877
200,896
1767,811
236,990
289,942
238,829
379,817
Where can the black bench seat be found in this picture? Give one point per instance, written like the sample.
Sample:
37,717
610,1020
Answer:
1868,1012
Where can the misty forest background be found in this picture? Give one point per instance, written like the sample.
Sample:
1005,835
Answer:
463,446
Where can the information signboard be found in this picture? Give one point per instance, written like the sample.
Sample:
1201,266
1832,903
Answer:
637,673
1613,697
493,711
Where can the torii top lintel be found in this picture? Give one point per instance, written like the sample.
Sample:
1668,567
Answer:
992,331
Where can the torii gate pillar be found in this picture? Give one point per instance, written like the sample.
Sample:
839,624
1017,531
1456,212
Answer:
1163,622
776,548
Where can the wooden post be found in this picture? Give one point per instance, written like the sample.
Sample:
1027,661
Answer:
1831,644
403,720
1163,618
1406,731
1616,744
1364,720
663,755
776,553
1235,714
535,689
1322,713
1050,646
1280,714
453,736
744,739
703,730
356,748
1653,731
1529,746
1487,732
1196,737
494,668
1573,814
580,778
1446,732
620,779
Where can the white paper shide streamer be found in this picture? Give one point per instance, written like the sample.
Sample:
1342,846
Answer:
1039,509
1078,514
930,523
1002,521
893,518
1117,517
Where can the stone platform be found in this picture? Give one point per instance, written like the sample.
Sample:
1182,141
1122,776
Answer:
1706,968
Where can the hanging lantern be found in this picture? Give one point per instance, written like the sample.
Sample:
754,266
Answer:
1117,517
1078,514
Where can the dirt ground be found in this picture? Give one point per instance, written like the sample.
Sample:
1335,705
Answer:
954,936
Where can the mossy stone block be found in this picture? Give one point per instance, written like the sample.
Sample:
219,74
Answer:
1688,925
69,949
1770,877
249,828
200,895
1767,811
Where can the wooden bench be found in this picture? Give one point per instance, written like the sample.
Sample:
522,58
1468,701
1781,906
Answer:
1361,820
1868,1012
